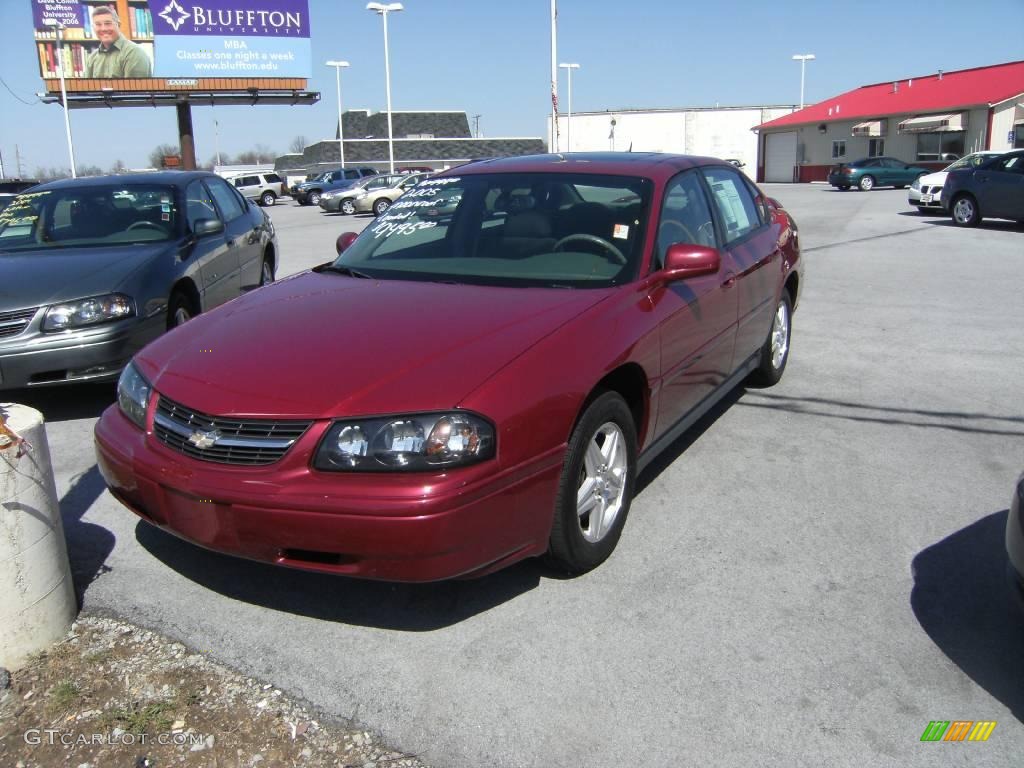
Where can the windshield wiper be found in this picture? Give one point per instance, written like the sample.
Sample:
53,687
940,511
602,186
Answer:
345,271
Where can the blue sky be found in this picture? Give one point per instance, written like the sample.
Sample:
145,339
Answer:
493,58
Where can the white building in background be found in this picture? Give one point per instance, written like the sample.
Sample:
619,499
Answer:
724,132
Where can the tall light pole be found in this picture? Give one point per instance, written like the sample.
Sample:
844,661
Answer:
803,58
383,9
553,144
338,66
568,115
63,91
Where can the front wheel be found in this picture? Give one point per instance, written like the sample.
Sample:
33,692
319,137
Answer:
348,207
596,486
314,198
775,352
268,198
379,206
266,272
179,310
843,187
965,211
867,183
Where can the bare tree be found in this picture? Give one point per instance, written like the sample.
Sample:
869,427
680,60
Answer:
264,154
298,144
156,157
118,167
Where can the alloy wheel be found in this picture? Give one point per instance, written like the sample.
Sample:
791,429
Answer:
601,492
780,335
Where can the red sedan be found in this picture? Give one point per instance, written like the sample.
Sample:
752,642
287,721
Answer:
477,378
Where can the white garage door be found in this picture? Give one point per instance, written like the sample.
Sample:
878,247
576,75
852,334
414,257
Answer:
779,156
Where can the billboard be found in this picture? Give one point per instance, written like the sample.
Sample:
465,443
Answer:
155,45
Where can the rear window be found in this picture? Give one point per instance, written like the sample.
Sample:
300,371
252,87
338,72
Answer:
273,178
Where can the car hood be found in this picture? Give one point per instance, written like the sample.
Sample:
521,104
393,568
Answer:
936,179
39,277
322,345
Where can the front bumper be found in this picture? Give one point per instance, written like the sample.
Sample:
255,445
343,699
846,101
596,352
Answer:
410,527
96,354
925,197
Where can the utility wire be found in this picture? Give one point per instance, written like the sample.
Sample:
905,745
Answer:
29,103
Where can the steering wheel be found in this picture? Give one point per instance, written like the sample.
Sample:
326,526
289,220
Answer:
668,224
705,232
140,224
611,249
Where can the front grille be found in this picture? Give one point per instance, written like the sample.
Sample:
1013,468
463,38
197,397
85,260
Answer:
13,323
233,441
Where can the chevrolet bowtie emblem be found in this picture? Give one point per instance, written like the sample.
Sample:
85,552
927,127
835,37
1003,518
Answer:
204,440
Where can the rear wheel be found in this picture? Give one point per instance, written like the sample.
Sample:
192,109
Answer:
379,206
596,487
268,198
348,206
867,183
775,352
965,211
179,310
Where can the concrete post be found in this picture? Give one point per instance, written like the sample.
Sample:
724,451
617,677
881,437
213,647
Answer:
37,595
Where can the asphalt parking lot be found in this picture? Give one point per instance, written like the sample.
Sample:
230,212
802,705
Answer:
809,577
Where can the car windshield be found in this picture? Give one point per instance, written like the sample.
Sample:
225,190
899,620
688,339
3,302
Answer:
545,229
969,161
90,215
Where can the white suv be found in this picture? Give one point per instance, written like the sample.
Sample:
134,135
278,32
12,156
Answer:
261,186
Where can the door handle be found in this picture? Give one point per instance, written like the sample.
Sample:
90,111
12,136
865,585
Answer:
730,280
231,242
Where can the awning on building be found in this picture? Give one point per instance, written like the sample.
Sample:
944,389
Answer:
934,123
871,128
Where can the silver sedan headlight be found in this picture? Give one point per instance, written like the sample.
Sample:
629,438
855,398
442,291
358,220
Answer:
133,393
413,443
85,312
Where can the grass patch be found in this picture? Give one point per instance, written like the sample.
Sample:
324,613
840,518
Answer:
138,719
63,696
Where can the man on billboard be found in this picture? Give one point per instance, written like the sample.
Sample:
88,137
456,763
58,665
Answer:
117,56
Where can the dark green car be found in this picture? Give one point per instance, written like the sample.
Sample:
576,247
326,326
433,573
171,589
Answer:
872,172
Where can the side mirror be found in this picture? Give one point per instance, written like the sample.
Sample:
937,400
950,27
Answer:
685,260
204,227
345,239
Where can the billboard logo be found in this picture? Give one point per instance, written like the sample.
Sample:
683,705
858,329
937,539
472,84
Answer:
958,730
174,15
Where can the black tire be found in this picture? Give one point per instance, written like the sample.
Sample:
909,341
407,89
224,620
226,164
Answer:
964,211
900,186
844,187
348,206
313,198
379,206
266,270
180,310
579,542
867,183
770,367
268,198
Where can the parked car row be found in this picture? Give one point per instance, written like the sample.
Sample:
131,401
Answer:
870,172
372,195
309,192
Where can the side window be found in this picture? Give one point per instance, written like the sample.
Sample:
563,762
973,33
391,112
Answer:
685,216
198,204
734,202
352,174
760,202
1013,164
227,199
272,178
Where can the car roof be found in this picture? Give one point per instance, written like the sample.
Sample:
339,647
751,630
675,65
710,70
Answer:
170,178
654,165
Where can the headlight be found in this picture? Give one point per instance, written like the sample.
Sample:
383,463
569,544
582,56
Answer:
77,314
133,393
414,443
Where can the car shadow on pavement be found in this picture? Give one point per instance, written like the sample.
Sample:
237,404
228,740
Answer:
66,403
383,605
963,600
89,545
992,224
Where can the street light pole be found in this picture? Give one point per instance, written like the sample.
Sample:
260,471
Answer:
803,58
383,9
338,66
568,115
63,91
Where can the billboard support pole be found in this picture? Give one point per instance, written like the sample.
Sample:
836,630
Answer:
185,135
